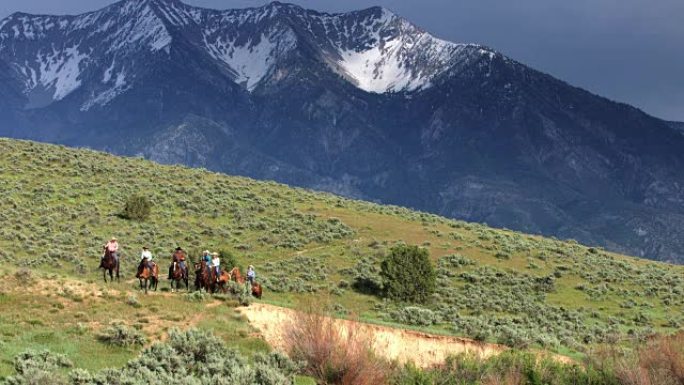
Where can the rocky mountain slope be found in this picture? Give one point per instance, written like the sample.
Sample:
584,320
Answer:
363,104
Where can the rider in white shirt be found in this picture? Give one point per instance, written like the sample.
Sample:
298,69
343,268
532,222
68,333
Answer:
216,263
146,257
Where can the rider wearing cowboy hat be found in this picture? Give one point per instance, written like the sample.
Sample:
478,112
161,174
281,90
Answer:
216,263
113,248
178,257
251,274
146,256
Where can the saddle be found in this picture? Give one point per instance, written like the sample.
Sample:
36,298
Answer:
183,267
143,265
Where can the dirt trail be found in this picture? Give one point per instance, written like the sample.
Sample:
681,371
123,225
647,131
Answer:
423,349
271,321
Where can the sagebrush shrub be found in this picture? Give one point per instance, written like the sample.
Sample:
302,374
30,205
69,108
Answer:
507,368
415,315
137,208
122,335
188,357
39,368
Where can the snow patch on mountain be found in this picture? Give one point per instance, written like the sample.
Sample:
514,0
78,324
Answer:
103,98
146,28
59,70
253,60
376,71
392,55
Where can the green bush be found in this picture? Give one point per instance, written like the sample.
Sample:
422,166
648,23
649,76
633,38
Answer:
243,292
408,274
137,208
510,367
414,315
228,260
190,357
122,335
195,296
39,368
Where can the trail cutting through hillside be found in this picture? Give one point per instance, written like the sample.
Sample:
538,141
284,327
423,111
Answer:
272,323
423,349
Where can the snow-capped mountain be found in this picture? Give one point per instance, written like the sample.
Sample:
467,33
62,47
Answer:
374,49
364,104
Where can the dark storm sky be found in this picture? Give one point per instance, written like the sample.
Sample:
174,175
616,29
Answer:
628,50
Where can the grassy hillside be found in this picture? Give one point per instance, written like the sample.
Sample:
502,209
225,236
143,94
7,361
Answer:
60,205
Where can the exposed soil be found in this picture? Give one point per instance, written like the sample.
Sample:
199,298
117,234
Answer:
272,322
423,349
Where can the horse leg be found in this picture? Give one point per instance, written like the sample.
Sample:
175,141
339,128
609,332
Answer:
104,275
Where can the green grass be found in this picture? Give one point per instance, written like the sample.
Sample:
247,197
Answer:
65,316
60,205
302,380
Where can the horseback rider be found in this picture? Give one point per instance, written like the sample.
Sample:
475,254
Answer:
178,258
112,246
146,258
206,257
216,264
251,274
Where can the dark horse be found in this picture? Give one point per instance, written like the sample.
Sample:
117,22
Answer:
109,263
148,277
203,277
257,290
179,274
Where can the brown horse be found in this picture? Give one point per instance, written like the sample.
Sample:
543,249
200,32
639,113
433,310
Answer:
220,283
236,276
178,275
203,276
148,277
109,264
257,290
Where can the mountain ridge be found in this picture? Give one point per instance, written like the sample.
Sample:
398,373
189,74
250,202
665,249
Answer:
363,104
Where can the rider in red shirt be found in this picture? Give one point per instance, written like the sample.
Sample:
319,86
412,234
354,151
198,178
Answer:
178,257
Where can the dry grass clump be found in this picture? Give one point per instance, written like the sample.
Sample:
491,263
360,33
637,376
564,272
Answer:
659,361
334,355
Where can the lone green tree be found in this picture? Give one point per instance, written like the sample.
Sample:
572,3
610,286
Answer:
408,274
137,208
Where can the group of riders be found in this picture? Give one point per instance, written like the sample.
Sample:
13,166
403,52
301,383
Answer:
208,269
